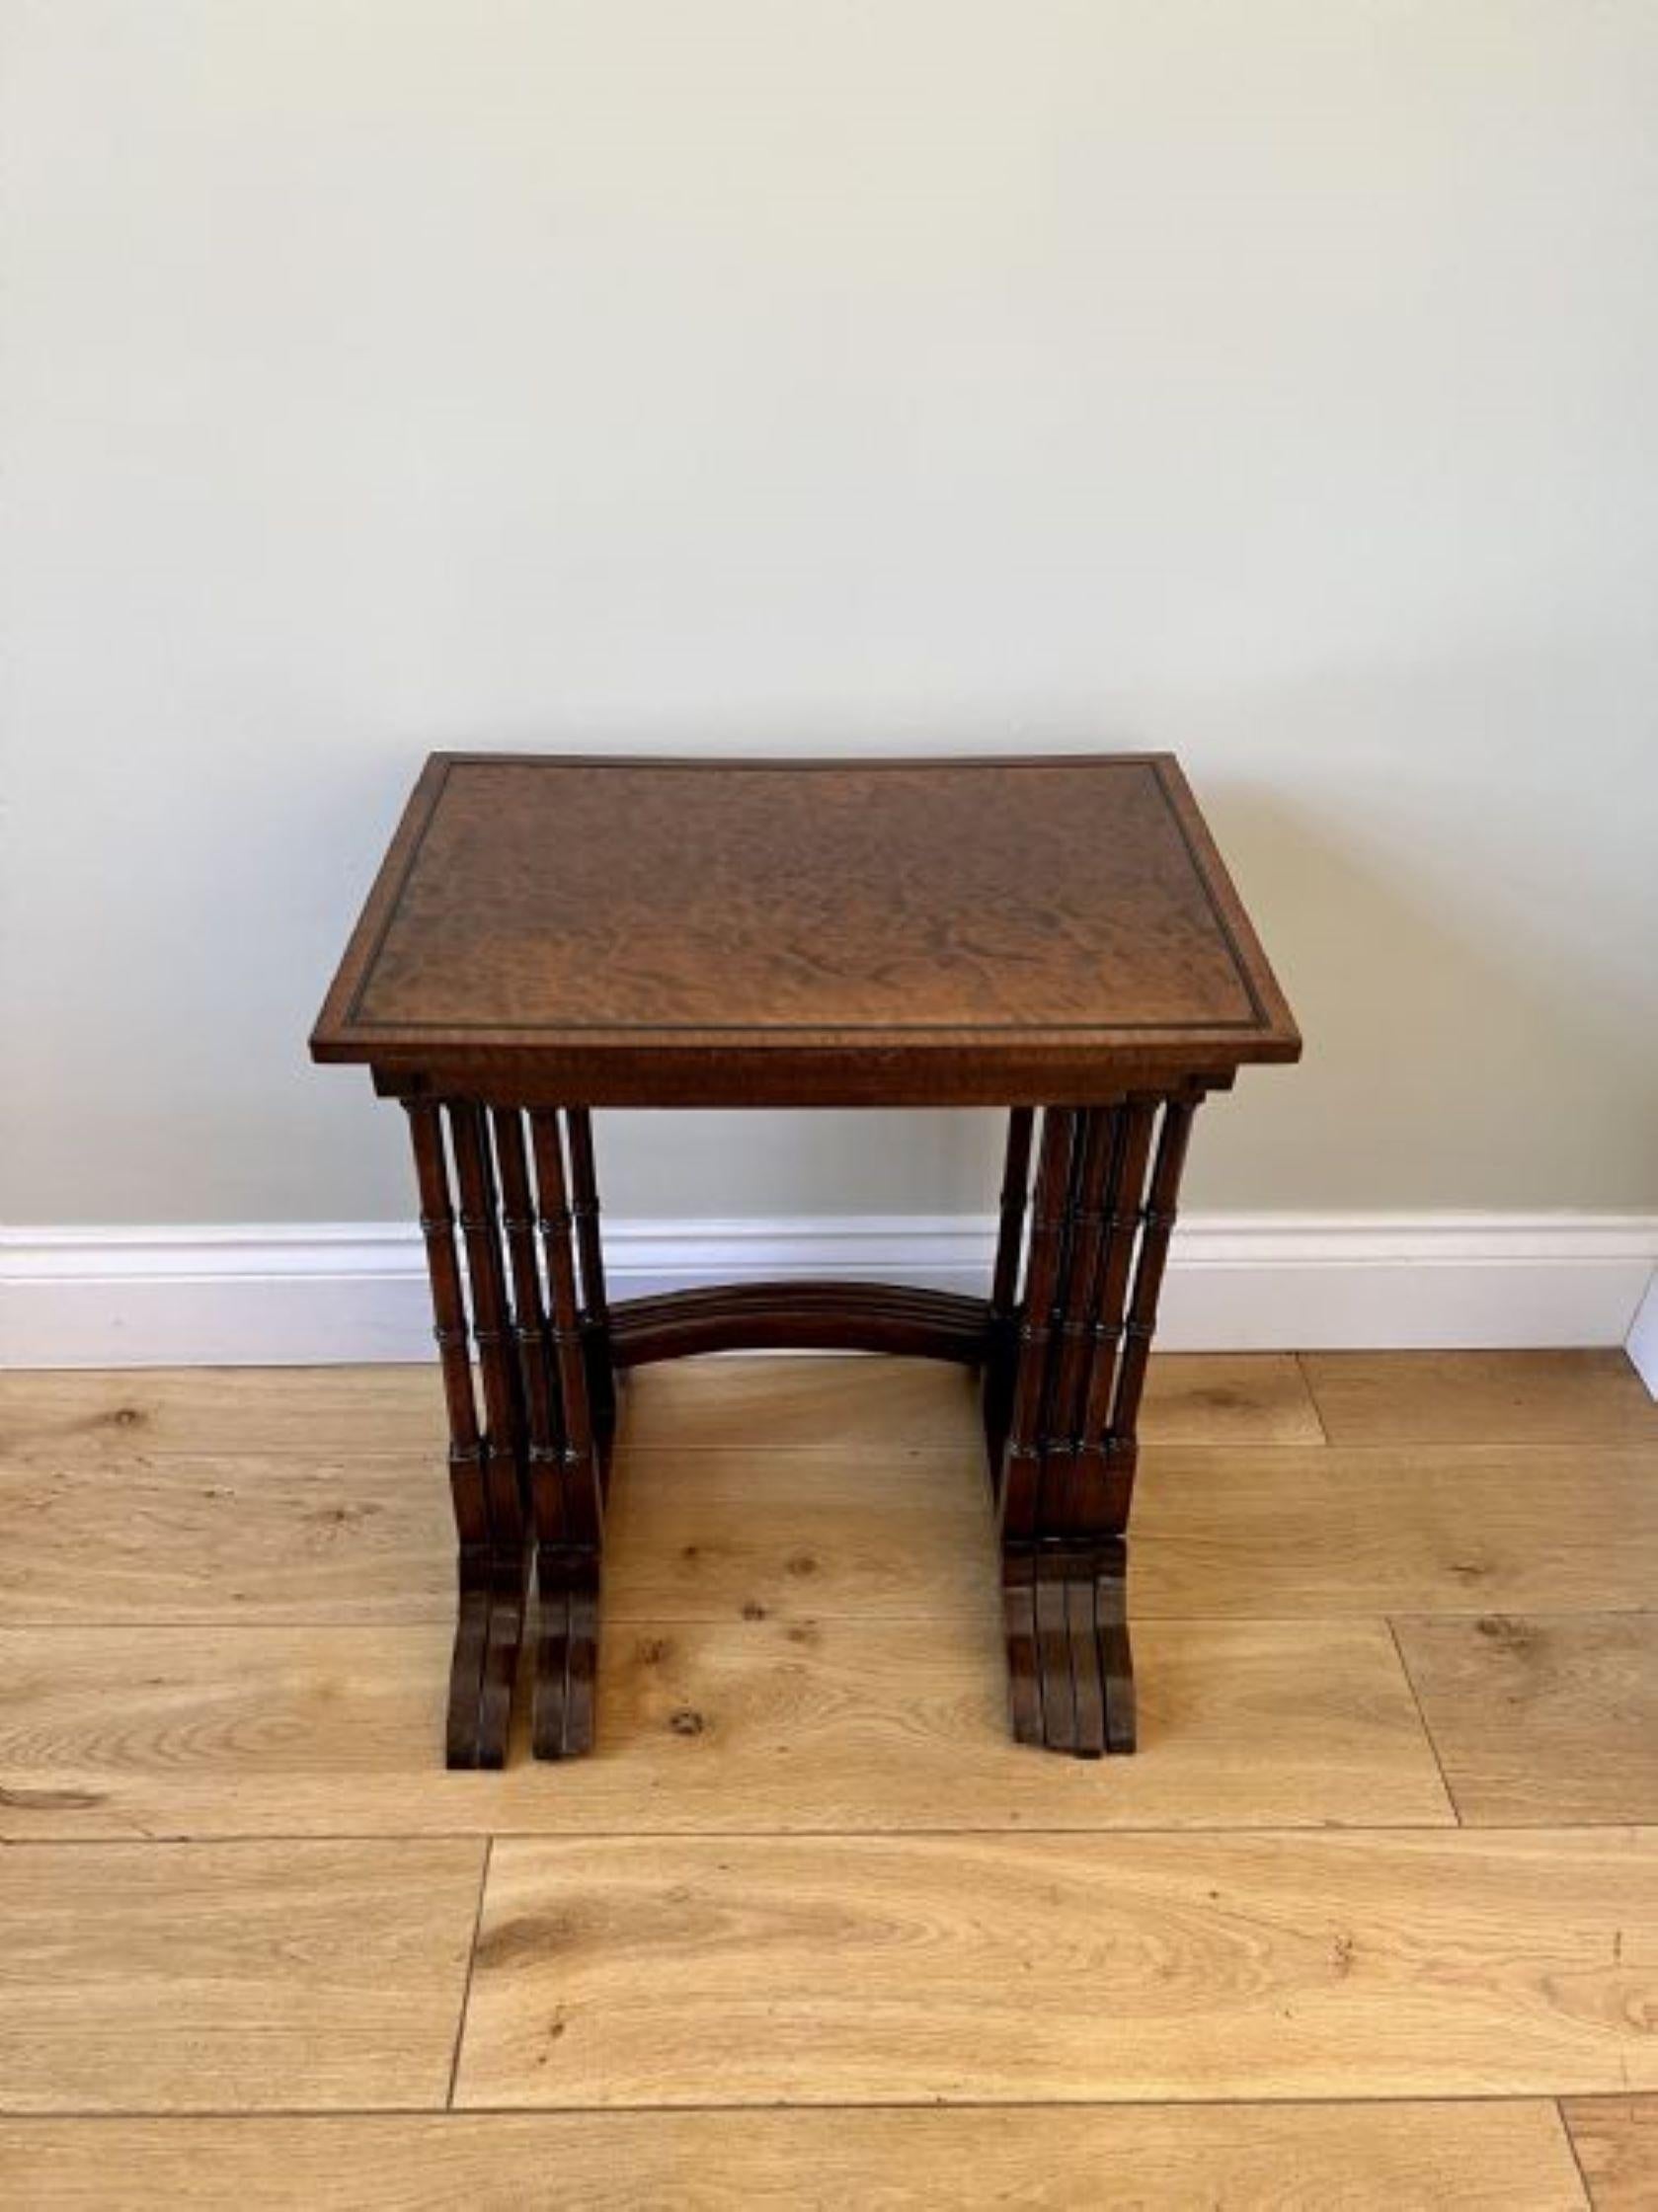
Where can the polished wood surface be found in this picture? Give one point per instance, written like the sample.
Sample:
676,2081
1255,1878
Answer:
1404,1398
683,931
810,1525
1542,1719
307,1731
253,1975
902,1407
901,1969
235,1882
832,1316
1616,2139
1511,2157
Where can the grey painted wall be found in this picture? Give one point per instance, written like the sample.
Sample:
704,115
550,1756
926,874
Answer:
1277,383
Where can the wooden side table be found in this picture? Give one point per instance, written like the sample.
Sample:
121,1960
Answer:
546,935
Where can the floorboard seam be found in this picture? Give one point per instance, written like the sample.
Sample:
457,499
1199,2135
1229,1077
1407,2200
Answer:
472,1968
820,1614
1565,2127
1433,1745
1312,1397
183,2116
1636,1830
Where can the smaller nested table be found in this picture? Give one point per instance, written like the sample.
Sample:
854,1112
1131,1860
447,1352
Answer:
550,934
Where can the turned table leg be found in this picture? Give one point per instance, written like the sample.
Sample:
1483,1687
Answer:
594,1309
527,1478
1004,1288
570,1513
505,1456
1071,1373
1065,1340
467,1729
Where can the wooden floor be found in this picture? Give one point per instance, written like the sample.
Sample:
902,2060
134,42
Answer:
1371,1920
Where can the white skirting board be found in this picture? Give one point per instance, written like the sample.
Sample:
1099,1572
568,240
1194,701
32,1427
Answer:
330,1291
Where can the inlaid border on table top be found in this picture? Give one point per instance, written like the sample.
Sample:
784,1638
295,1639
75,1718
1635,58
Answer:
341,1035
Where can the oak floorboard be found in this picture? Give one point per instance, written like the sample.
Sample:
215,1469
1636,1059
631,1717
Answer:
1489,2156
1445,1529
1616,2143
887,1407
1262,1532
1542,1719
798,1535
805,1836
146,1977
1122,1969
740,1725
76,1414
798,1402
151,1540
1481,1397
1271,1533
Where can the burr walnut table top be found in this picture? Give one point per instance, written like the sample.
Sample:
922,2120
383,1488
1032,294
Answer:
679,933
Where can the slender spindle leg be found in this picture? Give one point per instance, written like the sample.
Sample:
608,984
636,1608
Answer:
1022,1465
1004,1287
1074,1345
1136,1124
567,1564
1099,1243
533,1329
1027,1617
1122,1444
503,1454
1074,1711
1086,1552
466,1473
594,1306
1053,1628
1015,1177
1138,1332
594,1312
